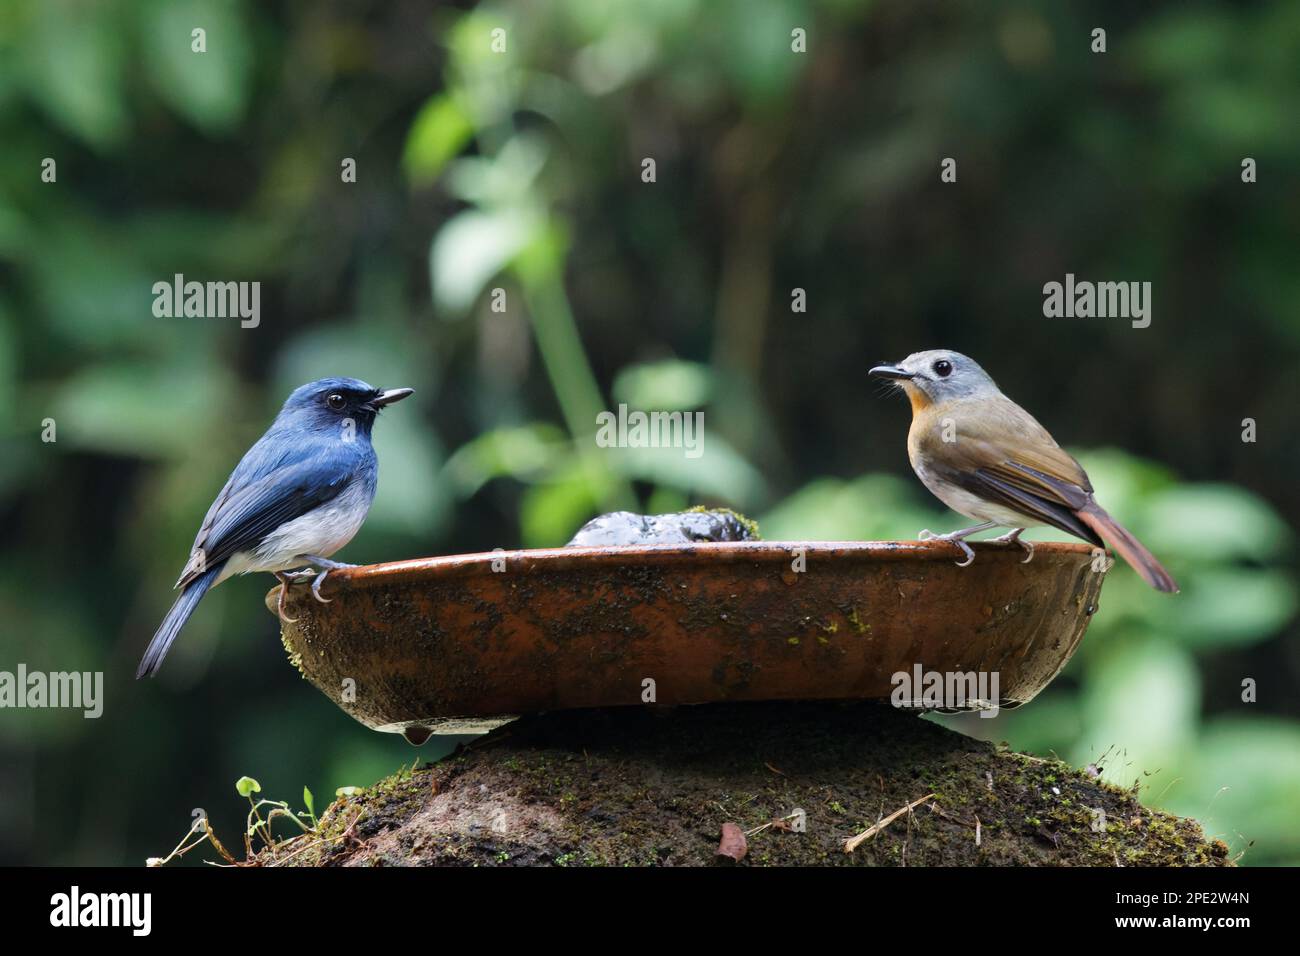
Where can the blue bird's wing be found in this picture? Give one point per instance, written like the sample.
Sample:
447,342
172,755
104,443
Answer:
249,508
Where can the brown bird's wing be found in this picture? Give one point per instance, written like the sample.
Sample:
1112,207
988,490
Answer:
1000,453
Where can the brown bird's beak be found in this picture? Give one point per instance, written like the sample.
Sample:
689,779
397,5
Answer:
890,371
389,396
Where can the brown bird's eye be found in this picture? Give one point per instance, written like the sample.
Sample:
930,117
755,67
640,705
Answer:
942,368
336,402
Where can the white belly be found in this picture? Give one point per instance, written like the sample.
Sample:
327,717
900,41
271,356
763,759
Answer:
321,532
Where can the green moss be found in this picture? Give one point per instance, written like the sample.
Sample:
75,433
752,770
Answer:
637,786
294,657
750,525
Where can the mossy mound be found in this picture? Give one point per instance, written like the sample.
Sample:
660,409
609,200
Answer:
645,786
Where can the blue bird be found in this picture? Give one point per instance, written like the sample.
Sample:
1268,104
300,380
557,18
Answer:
296,497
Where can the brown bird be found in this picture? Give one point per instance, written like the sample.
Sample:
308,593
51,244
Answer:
985,457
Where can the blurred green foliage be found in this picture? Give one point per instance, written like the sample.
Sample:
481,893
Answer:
521,171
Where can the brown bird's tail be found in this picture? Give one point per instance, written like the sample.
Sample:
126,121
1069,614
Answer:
1129,548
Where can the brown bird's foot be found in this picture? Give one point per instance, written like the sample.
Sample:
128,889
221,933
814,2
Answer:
284,580
955,537
1013,537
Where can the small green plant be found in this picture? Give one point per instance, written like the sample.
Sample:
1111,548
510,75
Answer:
261,815
261,826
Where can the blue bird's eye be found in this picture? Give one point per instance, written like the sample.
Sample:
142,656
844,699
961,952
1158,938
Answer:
336,402
942,368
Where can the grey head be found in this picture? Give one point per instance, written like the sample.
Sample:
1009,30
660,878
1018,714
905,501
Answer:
939,375
325,404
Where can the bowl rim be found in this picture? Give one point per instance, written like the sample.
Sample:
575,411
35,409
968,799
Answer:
700,554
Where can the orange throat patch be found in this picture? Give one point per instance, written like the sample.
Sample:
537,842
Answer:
920,401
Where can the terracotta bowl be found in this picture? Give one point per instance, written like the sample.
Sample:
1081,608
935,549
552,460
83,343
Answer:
463,643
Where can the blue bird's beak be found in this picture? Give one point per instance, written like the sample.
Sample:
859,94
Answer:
388,397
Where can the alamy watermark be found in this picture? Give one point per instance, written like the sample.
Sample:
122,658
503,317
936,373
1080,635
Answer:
131,911
638,429
946,690
57,689
208,300
1103,300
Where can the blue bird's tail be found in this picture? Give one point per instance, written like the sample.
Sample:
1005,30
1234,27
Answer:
174,621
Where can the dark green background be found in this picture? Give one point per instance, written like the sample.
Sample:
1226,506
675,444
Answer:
522,171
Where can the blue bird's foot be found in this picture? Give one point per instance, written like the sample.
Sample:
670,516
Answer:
284,580
315,587
327,566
